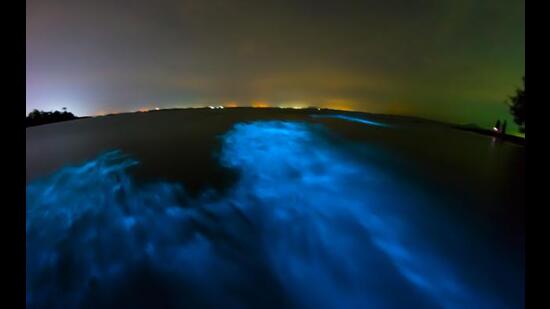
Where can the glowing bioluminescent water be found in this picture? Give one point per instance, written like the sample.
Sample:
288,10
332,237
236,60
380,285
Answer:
354,119
305,225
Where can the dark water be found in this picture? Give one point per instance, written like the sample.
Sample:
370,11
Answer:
249,208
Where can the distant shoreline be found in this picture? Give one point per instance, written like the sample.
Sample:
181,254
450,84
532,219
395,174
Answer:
509,138
31,125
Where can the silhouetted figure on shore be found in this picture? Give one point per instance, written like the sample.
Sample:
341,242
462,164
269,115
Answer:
496,128
503,129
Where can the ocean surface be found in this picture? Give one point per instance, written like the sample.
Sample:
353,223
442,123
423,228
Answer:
250,208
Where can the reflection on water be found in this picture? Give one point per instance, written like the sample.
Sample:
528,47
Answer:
306,225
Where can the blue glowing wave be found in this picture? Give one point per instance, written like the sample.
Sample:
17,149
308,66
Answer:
354,119
304,226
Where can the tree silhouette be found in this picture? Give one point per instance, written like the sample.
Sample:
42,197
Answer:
517,107
37,117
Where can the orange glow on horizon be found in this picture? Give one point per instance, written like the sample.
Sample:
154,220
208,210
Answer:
339,104
340,108
294,104
260,104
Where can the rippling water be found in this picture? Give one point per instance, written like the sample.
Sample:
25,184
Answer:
311,221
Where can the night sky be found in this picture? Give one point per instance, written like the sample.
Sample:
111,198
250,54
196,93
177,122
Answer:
454,61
